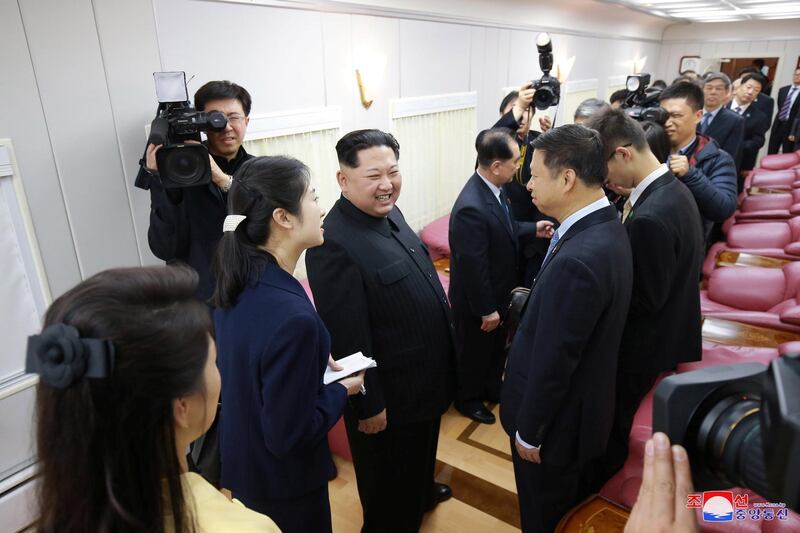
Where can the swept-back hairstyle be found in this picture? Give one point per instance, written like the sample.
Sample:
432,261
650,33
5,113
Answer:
107,446
348,146
577,147
260,186
494,144
590,107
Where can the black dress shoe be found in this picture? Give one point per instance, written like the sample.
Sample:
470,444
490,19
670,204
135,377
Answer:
441,493
478,413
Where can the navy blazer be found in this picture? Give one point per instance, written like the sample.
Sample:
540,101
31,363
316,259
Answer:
272,353
727,129
483,252
561,372
668,245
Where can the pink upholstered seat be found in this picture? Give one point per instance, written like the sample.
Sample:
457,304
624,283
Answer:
436,237
776,238
764,297
773,179
779,161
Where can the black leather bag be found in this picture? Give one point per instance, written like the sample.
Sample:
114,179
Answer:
519,300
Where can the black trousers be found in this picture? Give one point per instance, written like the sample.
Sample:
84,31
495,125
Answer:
394,471
631,389
546,492
779,137
481,359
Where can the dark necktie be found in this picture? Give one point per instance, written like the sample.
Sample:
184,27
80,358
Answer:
504,205
783,114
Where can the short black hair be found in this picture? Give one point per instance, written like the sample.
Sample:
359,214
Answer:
616,128
348,146
222,89
684,89
658,140
758,78
659,84
510,97
590,107
494,144
759,62
618,96
746,70
577,147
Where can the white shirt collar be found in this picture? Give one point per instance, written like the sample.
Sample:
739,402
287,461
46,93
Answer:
580,213
494,188
743,107
645,183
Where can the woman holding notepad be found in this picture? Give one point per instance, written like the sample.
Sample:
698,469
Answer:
274,350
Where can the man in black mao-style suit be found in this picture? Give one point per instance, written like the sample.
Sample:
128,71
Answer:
483,271
558,395
663,224
378,292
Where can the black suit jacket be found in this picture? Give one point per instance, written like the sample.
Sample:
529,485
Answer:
483,252
561,371
666,236
756,125
727,129
766,104
378,292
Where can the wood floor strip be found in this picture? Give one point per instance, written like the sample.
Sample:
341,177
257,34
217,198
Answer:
466,438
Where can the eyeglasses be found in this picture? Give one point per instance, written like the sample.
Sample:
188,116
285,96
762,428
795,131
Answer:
235,119
615,150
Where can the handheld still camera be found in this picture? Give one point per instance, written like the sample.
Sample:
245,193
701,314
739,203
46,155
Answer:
740,425
548,89
180,163
642,101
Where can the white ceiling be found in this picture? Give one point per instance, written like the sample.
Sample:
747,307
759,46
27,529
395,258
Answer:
716,10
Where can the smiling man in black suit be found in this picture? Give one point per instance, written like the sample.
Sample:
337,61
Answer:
558,395
666,235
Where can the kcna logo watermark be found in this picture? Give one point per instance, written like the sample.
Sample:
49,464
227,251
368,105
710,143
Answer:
724,506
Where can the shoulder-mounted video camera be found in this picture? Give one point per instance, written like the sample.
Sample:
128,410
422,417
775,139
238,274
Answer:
548,88
740,425
181,163
642,100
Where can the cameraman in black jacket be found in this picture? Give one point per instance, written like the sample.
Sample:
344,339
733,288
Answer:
186,223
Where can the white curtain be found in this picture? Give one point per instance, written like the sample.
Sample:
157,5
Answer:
317,150
437,156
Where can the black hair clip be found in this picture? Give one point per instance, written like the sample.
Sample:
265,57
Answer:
61,357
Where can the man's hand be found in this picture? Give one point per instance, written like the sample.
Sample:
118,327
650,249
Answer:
150,157
220,179
523,102
679,165
528,454
373,424
666,484
490,322
544,229
791,138
545,123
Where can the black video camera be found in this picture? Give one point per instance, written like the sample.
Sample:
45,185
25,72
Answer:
642,101
180,163
740,425
548,89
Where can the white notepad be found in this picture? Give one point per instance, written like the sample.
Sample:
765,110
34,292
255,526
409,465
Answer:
351,364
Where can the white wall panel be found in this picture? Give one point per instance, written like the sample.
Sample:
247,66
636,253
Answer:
23,121
70,73
434,58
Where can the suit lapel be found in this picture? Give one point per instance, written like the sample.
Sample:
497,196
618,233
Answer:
601,215
661,181
494,207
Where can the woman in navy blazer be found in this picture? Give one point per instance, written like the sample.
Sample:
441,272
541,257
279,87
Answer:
274,349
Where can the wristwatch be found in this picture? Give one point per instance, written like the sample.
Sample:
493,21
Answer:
227,187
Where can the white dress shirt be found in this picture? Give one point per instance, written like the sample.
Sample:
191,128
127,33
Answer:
646,182
742,107
494,188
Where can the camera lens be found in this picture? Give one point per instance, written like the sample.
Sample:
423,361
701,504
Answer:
184,165
543,98
728,441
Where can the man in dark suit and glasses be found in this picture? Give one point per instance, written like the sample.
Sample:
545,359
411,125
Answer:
558,395
666,236
378,292
788,105
483,271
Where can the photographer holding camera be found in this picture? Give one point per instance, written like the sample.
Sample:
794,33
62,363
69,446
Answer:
186,222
